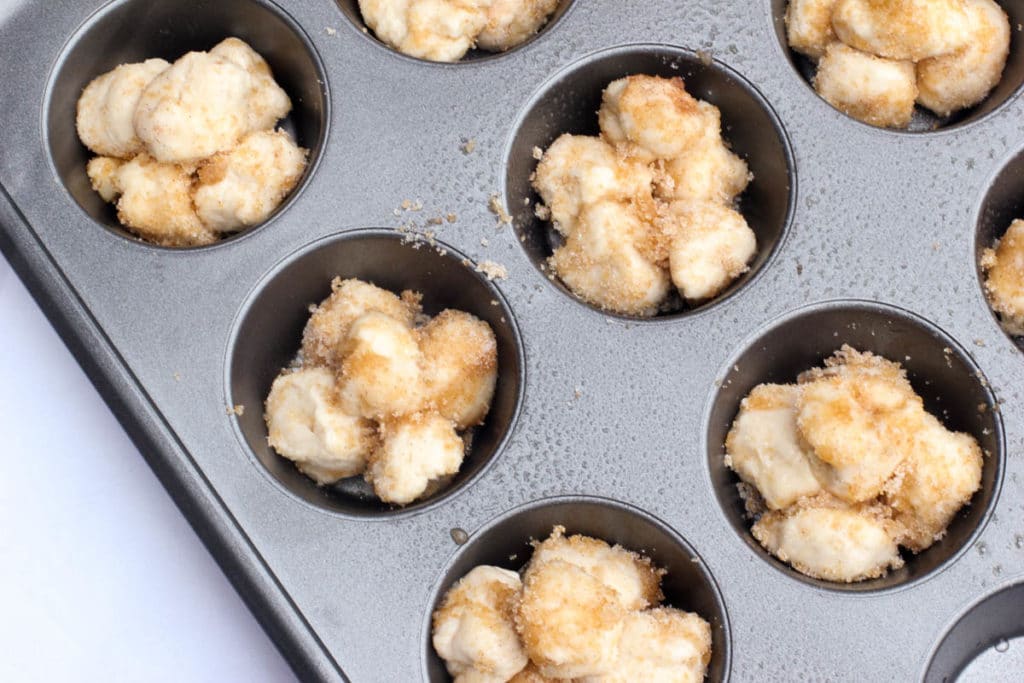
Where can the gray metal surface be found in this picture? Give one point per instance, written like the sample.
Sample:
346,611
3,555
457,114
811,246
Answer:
611,408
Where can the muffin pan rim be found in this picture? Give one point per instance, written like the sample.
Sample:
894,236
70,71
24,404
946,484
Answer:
122,233
733,290
416,507
854,589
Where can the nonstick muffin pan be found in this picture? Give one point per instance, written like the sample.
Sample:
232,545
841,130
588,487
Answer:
609,425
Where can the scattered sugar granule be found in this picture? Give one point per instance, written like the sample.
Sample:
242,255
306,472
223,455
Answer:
493,271
498,209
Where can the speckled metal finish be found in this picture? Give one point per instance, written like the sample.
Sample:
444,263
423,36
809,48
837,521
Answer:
611,407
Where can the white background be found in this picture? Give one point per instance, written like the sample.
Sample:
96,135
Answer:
101,578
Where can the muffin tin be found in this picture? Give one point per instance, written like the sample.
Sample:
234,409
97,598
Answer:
610,425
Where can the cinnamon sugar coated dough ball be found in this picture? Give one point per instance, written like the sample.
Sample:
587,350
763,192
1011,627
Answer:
570,622
474,630
445,30
833,544
156,202
200,156
511,22
601,261
963,78
266,101
635,580
765,449
649,118
902,29
1003,265
809,26
846,466
350,300
707,170
874,90
307,425
381,375
941,473
585,611
460,358
197,107
106,108
626,242
578,170
244,185
662,645
416,450
712,246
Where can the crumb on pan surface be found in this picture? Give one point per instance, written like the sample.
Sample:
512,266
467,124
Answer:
845,466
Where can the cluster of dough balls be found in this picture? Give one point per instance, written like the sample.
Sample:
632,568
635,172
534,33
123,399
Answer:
444,30
649,204
876,58
846,465
188,150
580,610
1003,265
382,391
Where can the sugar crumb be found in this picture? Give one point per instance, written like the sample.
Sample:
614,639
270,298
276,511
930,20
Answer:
493,271
498,209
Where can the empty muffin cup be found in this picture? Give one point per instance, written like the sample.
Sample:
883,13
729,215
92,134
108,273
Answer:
268,334
506,542
985,644
925,121
941,372
1002,204
129,31
568,103
352,12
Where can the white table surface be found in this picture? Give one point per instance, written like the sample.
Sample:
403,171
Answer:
101,578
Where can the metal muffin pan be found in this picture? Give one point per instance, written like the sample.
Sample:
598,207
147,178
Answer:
873,241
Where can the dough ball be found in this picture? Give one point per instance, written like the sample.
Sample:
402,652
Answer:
636,582
833,544
602,264
650,118
350,300
195,108
939,477
381,375
474,630
243,186
1004,281
857,415
306,424
877,91
460,362
438,30
511,22
102,172
416,450
902,29
809,26
156,203
577,171
570,622
267,102
707,170
106,108
964,78
712,246
765,449
662,645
